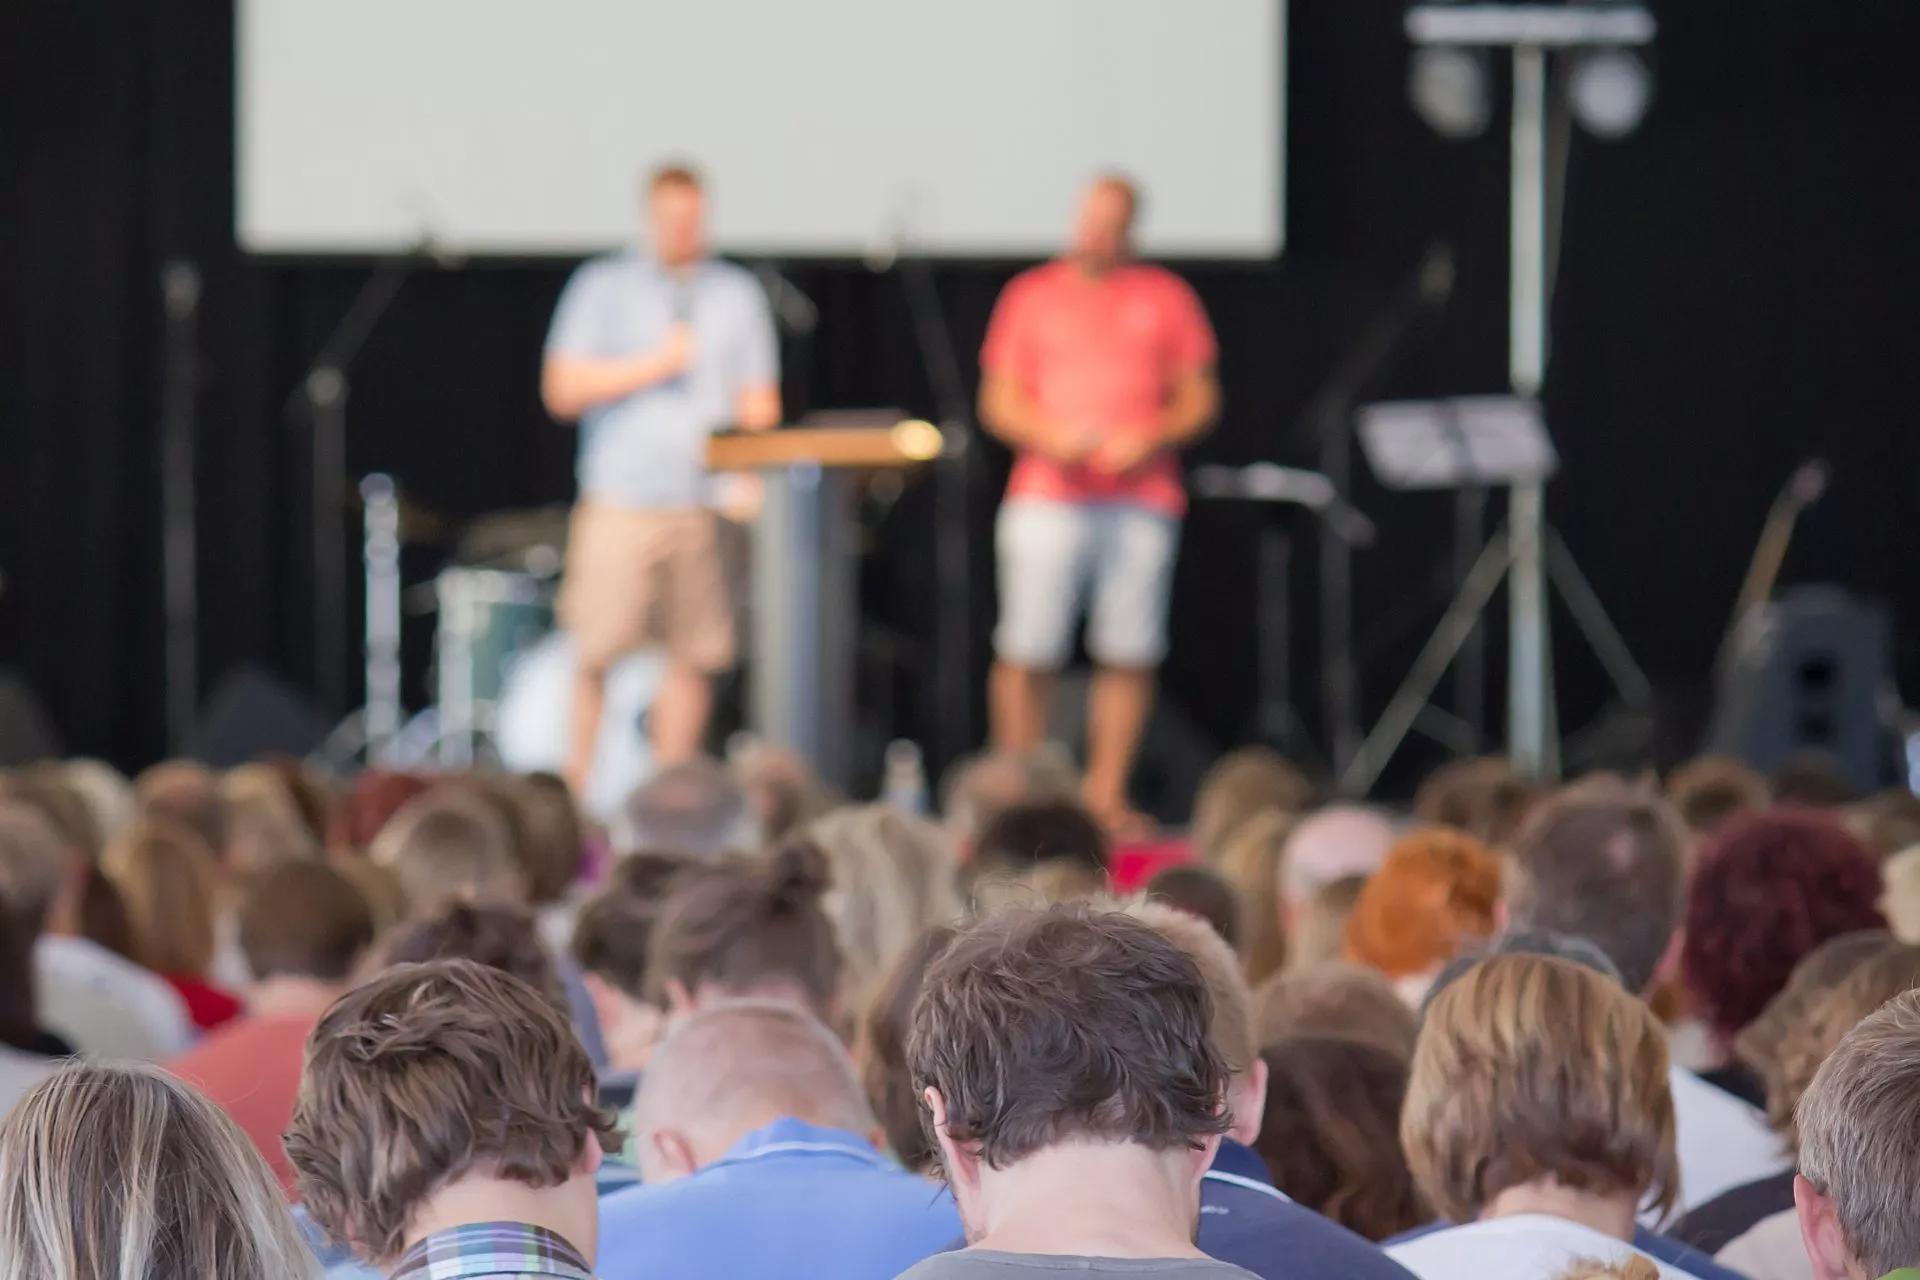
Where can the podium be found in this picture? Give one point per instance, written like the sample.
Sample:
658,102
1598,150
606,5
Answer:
804,607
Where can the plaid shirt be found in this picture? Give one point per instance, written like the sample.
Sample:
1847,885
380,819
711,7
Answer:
489,1250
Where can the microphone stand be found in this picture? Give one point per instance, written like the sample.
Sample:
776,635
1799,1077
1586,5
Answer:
180,296
321,399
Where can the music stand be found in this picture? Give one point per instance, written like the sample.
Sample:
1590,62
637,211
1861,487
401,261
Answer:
1476,442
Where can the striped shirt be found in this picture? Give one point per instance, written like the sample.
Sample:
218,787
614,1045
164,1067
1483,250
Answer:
491,1251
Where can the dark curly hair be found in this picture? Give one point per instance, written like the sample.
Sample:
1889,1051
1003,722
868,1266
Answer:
1074,1022
503,938
1769,888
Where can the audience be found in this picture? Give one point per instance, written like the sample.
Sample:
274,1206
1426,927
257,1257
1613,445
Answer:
611,942
1337,845
1901,898
1339,1001
1240,784
97,1001
1318,935
694,808
880,1049
1434,896
1244,1219
1483,797
445,1115
781,788
1607,862
747,928
117,1171
893,876
1886,821
1250,861
27,1050
760,1158
1709,790
1538,1122
1330,1134
264,822
303,929
503,938
1858,1194
1064,1061
1038,832
1812,779
1202,893
170,885
980,788
451,845
1769,888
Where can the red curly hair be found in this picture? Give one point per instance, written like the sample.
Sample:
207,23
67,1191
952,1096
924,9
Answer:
1769,888
1437,890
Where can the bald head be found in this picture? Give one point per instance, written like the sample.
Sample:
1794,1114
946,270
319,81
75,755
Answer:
1334,844
735,1067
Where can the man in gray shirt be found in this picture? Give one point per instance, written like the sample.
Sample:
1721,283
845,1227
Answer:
1066,1073
651,353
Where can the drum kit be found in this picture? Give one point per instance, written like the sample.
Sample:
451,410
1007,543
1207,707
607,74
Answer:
502,669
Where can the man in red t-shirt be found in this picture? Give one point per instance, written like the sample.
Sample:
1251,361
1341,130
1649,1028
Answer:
1096,368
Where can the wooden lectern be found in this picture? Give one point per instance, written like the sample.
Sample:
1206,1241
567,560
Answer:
805,614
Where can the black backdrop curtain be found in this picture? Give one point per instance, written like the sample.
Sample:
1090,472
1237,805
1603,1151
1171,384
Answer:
1734,293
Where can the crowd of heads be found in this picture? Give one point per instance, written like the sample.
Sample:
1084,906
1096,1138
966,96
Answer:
1501,1002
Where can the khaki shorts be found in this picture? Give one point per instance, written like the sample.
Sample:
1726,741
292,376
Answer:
636,578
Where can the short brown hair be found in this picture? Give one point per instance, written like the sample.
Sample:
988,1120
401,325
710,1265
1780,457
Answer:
743,924
676,173
1710,789
880,1050
1038,1027
1607,862
304,920
451,843
1231,1025
428,1072
1240,784
1531,1067
1202,893
1482,796
1858,1124
1334,1001
1892,971
503,938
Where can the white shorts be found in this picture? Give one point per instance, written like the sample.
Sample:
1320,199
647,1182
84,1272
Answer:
1057,559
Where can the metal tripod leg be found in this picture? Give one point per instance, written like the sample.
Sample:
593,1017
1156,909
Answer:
1430,667
1591,617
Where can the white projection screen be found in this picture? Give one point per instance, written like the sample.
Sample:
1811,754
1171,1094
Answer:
826,128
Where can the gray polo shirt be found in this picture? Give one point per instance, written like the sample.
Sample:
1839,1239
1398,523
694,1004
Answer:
648,450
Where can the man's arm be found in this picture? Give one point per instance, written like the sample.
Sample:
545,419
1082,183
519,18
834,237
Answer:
1011,417
1192,408
759,407
570,385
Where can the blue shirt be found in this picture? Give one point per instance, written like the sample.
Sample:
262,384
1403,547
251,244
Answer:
648,450
792,1200
1246,1221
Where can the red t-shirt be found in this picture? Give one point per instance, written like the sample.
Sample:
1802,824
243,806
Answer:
251,1069
1102,352
207,1005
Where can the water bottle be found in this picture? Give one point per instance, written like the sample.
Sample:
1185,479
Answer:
904,781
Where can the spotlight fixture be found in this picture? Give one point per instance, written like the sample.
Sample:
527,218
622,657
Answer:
1609,90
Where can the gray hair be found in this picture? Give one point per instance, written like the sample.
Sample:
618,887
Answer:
1858,1123
892,877
121,1171
1522,942
696,808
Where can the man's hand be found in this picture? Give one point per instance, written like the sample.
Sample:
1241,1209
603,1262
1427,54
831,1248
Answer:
1119,454
1066,443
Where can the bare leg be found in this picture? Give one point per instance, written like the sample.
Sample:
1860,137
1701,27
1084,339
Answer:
583,728
1117,708
678,720
1017,702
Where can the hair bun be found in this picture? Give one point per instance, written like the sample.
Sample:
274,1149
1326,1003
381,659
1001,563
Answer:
797,874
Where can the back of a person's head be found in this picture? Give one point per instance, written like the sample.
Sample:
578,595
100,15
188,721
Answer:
1250,860
738,1066
881,1050
1072,1024
1605,861
35,862
1202,893
1331,845
1886,821
1245,781
1229,1002
1436,894
503,938
187,793
1026,835
980,788
1812,779
107,792
1534,1069
1900,875
1483,797
44,788
451,845
1331,1133
893,877
371,803
265,824
1773,1045
1892,971
695,807
1709,790
555,848
782,789
120,1170
424,1075
1318,933
167,879
1859,1125
304,920
1344,1001
745,928
1769,888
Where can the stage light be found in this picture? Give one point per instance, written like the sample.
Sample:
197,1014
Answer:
1450,89
1609,90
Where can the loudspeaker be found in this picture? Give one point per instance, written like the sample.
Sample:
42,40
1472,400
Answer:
26,731
1812,671
253,714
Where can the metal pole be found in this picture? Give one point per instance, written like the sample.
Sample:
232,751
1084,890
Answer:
1339,672
180,291
1530,732
382,554
327,401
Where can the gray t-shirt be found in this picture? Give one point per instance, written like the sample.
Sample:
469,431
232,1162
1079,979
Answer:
648,450
988,1264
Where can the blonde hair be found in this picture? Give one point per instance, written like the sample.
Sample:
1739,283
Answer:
1901,902
1240,786
1531,1068
1250,862
1231,1026
890,878
1047,883
1876,979
115,1170
1633,1268
169,882
1319,935
264,824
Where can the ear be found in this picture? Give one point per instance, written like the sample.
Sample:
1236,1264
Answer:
1250,1103
1820,1231
673,1156
1502,918
1669,967
962,1165
1202,1157
680,1001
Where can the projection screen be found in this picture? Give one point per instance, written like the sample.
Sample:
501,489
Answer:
826,128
